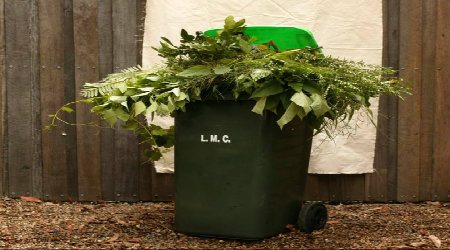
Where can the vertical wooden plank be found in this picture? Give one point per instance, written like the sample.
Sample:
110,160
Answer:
428,99
394,62
21,86
36,139
145,170
87,70
382,184
52,57
2,96
441,174
126,144
408,161
70,95
105,32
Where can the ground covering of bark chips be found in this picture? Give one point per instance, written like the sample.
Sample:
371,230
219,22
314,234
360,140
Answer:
30,223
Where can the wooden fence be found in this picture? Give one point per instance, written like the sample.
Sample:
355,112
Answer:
49,48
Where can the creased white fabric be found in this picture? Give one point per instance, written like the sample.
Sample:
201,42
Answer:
344,28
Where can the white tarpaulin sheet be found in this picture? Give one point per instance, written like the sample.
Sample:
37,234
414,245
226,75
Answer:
344,28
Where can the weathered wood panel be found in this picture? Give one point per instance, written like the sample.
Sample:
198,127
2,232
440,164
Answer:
105,32
428,96
70,95
382,184
126,144
2,96
441,153
23,141
51,21
408,163
86,40
145,167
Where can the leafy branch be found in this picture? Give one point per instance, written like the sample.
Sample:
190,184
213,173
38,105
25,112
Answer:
321,90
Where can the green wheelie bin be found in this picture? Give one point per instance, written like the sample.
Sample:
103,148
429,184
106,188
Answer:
237,174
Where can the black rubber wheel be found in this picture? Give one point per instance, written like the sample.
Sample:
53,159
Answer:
312,216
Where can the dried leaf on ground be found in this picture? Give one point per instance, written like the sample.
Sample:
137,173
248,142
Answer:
436,241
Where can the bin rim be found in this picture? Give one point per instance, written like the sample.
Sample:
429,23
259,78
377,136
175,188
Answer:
311,41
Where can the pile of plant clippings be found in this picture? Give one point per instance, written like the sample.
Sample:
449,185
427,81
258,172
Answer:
31,223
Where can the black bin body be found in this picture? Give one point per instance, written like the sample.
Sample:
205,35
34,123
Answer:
237,174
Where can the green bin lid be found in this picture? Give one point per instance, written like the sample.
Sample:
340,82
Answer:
286,38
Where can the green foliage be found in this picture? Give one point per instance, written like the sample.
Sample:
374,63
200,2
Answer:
322,90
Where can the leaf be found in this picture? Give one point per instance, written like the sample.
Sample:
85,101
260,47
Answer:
436,241
152,108
258,74
122,87
229,22
319,105
182,96
30,199
155,154
186,37
115,237
176,91
110,117
139,107
289,114
310,89
297,86
67,109
165,39
153,78
303,101
221,69
118,99
267,89
122,114
259,106
197,70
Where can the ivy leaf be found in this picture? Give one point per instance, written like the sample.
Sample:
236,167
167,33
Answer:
152,108
118,99
319,105
197,70
153,78
110,117
259,106
122,114
289,114
176,91
122,87
139,107
221,69
311,89
182,96
303,101
268,89
147,89
67,109
296,86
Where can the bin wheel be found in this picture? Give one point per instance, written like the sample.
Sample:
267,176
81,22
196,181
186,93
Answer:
312,216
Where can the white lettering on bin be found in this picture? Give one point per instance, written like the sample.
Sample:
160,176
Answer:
215,139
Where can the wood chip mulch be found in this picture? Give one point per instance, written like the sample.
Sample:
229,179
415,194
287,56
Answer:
30,223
